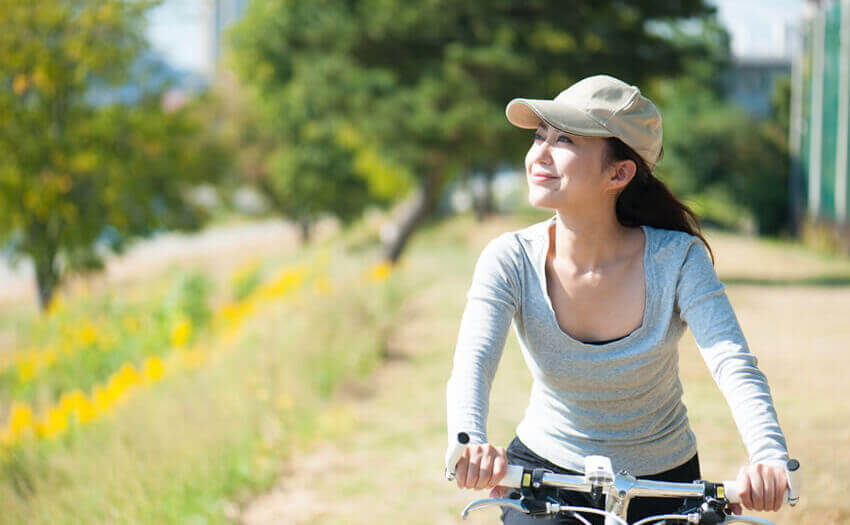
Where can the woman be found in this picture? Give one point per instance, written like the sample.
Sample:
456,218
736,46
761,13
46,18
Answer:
600,295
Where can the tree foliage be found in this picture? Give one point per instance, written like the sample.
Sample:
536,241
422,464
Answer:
424,84
76,176
728,162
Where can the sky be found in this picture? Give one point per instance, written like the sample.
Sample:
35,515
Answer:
176,28
756,25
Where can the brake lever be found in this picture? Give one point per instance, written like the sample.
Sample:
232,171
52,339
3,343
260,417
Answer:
481,503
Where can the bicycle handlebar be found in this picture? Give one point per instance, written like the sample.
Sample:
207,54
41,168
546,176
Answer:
513,479
599,475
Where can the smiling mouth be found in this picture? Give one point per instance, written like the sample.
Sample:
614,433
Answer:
540,176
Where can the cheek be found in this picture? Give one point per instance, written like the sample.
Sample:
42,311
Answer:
529,159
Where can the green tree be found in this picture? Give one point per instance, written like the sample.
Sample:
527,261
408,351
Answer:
424,84
730,164
293,144
73,175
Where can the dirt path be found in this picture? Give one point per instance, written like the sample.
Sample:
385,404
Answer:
388,468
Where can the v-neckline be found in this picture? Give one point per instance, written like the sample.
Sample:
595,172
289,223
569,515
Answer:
541,265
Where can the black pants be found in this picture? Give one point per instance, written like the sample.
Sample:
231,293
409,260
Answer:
519,454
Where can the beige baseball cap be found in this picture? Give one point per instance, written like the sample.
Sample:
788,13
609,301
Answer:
597,106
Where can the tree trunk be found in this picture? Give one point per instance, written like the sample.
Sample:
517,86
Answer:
483,195
413,213
46,278
304,231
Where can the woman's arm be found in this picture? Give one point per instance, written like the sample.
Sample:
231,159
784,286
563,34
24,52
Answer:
702,303
492,301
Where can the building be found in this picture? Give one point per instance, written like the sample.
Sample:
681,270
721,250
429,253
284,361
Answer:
820,117
219,16
751,81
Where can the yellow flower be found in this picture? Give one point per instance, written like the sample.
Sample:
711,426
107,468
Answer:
128,374
102,399
380,271
153,369
20,419
87,335
87,412
121,381
49,356
72,402
181,332
282,284
26,369
55,423
233,313
56,305
75,404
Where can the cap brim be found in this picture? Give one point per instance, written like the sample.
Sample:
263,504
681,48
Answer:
527,113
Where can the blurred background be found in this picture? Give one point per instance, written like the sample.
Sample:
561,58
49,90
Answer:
237,237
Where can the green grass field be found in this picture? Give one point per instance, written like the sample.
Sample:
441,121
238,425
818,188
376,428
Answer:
194,444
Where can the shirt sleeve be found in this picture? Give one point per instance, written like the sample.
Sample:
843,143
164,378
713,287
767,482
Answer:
492,301
703,305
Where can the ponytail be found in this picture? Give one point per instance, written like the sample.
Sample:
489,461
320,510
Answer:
647,200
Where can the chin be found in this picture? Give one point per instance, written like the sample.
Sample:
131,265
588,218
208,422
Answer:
543,200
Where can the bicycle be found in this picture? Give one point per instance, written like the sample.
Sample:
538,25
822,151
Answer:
704,502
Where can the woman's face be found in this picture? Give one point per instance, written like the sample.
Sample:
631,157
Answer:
564,171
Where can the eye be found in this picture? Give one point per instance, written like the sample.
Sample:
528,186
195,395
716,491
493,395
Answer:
538,136
564,138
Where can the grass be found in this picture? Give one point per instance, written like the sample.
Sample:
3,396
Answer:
193,447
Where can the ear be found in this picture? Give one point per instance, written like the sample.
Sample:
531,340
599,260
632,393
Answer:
623,173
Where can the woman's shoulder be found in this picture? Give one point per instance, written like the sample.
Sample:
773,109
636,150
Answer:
670,247
505,248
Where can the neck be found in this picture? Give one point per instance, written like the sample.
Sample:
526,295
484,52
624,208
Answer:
588,243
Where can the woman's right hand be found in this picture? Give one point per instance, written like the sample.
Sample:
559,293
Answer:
482,466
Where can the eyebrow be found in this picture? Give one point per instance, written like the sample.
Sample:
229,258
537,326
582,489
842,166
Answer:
544,127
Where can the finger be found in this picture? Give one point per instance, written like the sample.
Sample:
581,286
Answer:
778,496
769,481
744,488
735,508
485,472
461,469
473,471
757,484
500,468
781,481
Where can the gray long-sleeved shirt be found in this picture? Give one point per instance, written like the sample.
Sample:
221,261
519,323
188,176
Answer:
621,399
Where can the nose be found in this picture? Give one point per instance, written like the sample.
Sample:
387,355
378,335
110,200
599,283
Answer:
541,154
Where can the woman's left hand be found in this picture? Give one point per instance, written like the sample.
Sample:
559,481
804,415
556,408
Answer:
762,486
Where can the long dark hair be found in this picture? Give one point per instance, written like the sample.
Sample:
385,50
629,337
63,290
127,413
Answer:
647,200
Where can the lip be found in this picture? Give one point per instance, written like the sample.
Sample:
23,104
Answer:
538,177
